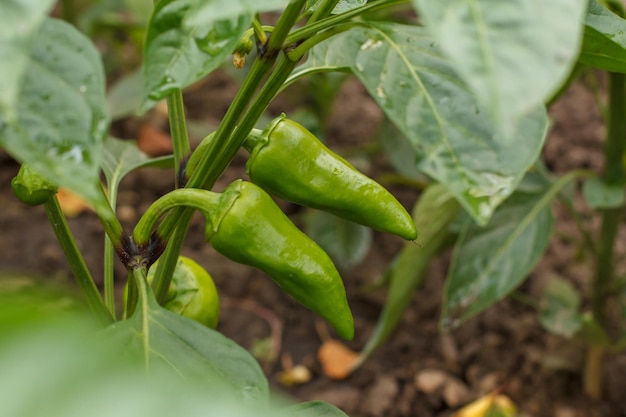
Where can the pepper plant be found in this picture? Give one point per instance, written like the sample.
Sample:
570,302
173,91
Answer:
466,84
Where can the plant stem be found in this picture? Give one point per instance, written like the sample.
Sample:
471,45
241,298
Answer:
298,52
613,174
312,28
593,372
77,263
178,131
283,26
614,147
109,259
258,29
112,226
228,140
167,261
139,277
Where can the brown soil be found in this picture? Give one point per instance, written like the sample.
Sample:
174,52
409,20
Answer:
504,347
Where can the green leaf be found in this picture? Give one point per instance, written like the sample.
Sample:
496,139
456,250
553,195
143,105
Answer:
559,309
209,11
514,54
19,22
124,97
604,41
119,157
399,151
315,409
341,7
168,342
72,376
405,71
177,56
61,110
600,195
433,214
346,242
489,262
594,333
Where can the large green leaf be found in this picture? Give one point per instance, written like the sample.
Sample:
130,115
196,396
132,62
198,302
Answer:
433,214
61,110
58,371
19,22
405,71
489,262
166,341
177,55
210,11
604,42
514,53
346,242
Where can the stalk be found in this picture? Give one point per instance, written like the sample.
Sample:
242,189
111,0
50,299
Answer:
611,218
178,131
224,147
77,263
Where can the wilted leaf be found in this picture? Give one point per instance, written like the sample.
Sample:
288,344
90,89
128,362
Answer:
336,359
491,405
71,204
295,375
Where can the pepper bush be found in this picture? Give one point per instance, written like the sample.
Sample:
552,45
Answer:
466,84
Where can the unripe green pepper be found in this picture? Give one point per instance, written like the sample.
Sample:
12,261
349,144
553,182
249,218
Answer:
288,161
192,292
248,227
31,188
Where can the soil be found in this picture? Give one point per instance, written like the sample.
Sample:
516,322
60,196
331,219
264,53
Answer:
419,371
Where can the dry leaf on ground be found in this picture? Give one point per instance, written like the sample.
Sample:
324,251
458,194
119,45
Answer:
336,359
71,204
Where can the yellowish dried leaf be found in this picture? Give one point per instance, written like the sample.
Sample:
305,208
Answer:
297,375
71,204
490,405
336,359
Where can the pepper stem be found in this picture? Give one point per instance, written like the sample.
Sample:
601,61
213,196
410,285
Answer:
255,137
203,200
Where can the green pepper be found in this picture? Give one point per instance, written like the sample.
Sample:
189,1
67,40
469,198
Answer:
192,292
289,162
248,227
31,188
